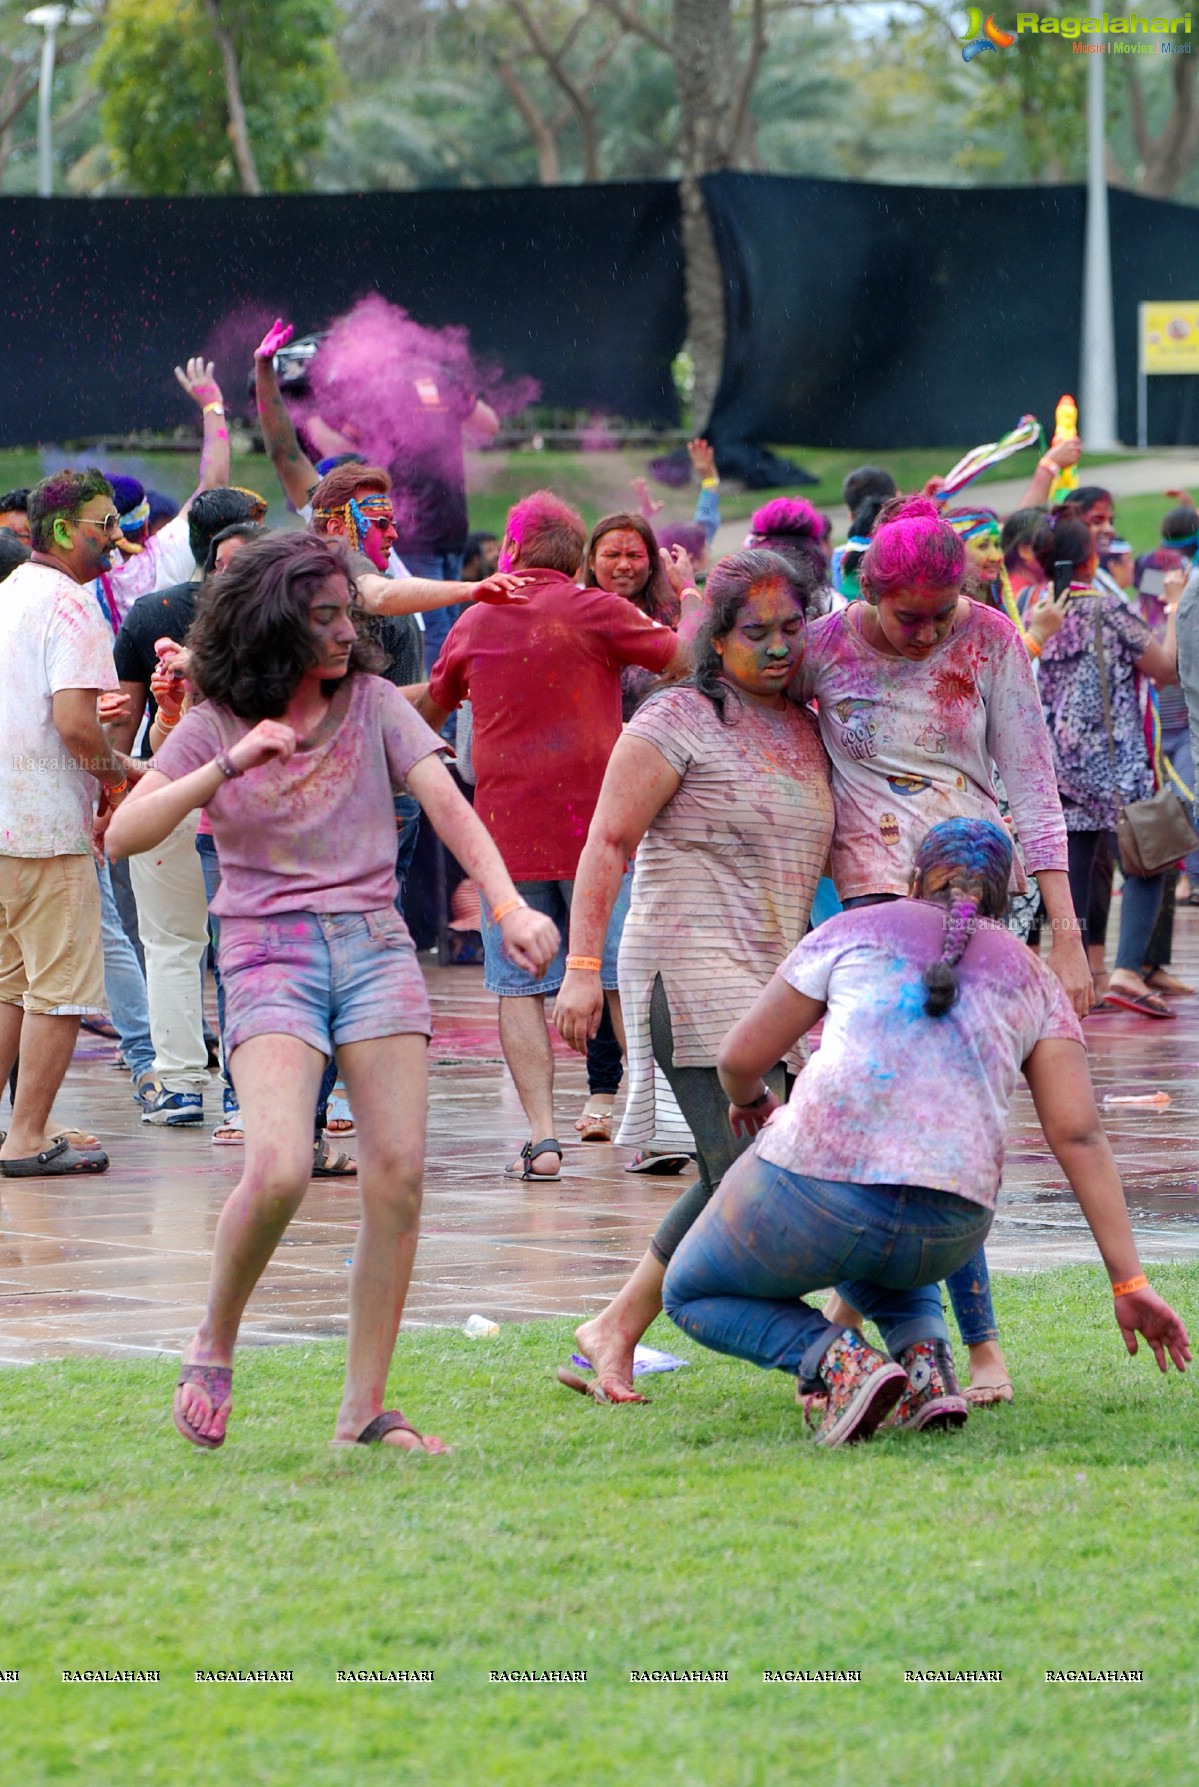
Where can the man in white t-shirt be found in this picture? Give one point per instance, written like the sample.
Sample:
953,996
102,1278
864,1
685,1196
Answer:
57,657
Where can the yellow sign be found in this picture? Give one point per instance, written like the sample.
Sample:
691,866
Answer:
1170,337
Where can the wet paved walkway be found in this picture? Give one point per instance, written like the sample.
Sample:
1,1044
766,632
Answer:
117,1265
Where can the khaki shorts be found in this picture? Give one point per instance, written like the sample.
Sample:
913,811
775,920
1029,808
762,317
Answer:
51,956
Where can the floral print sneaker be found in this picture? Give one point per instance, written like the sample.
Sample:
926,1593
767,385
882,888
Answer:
932,1397
863,1387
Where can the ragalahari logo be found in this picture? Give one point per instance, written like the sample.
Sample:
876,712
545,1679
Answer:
979,36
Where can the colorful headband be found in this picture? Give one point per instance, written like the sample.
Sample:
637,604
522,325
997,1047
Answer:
135,518
969,527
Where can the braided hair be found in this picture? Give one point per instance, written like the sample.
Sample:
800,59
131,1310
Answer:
964,863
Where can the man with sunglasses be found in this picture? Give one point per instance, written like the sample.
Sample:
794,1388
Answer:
57,655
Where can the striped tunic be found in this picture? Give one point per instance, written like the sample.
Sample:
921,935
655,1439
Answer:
724,877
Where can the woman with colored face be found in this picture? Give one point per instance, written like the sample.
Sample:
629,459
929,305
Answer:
623,559
922,694
295,752
721,786
987,579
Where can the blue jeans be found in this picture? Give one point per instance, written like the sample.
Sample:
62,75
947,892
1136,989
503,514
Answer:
124,983
407,809
552,899
769,1236
442,567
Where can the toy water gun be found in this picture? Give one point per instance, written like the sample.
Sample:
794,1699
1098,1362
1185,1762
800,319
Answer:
1065,428
1026,433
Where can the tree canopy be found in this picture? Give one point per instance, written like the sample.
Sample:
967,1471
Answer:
168,110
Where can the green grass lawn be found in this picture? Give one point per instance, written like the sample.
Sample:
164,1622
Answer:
702,1532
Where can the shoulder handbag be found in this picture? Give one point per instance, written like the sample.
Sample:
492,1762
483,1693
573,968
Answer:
1151,834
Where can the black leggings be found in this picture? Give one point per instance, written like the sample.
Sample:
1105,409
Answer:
704,1103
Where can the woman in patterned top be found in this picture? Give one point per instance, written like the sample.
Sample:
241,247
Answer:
721,786
1093,777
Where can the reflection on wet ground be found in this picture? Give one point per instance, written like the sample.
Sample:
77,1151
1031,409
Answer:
118,1264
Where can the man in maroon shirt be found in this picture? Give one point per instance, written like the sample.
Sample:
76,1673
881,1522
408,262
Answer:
543,681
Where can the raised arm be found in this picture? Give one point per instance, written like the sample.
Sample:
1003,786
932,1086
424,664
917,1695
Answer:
198,380
1060,1084
637,784
294,469
1048,466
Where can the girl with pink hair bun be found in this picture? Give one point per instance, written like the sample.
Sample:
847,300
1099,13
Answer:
921,696
790,526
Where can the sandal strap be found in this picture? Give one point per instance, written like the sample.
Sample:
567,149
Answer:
390,1421
216,1381
551,1145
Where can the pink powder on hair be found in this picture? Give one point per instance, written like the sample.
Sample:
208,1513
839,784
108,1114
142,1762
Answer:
788,515
912,545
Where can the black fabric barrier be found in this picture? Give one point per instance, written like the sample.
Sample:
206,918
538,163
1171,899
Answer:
579,287
1155,256
873,316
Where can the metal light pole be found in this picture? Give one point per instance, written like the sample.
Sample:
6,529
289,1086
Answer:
50,19
1097,378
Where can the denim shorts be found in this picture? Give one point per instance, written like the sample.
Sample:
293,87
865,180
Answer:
502,976
327,978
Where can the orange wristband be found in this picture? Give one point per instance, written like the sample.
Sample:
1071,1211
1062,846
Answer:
1033,646
507,906
1139,1283
588,964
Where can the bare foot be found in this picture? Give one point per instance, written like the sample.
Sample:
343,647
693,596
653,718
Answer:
611,1357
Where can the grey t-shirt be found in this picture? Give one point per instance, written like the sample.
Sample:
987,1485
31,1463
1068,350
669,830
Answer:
398,635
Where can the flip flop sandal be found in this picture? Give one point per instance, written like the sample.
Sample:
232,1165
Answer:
989,1396
216,1381
390,1421
231,1133
330,1163
59,1162
592,1387
531,1152
1145,1005
1165,984
665,1166
78,1138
